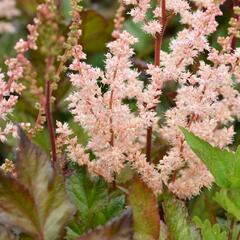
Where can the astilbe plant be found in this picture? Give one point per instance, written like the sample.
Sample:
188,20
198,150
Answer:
206,101
116,106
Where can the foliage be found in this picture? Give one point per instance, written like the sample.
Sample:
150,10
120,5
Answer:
223,164
179,224
118,229
35,201
210,232
95,205
146,217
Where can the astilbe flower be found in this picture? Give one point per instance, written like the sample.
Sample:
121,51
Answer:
119,19
206,101
19,67
115,131
207,106
7,101
139,14
8,11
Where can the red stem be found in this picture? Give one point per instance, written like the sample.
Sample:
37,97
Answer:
234,40
157,50
50,122
230,232
111,121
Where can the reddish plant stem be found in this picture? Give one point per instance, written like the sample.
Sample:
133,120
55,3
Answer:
50,122
7,88
58,72
235,3
111,108
230,232
158,44
238,236
111,121
210,209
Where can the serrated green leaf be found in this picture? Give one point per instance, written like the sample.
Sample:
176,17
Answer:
230,201
176,217
210,232
145,211
94,204
118,229
224,165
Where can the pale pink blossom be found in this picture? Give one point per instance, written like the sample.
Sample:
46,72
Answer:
153,27
10,85
114,130
8,11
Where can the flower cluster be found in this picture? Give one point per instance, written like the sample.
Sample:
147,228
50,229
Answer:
19,67
115,131
206,101
207,106
139,14
119,20
8,11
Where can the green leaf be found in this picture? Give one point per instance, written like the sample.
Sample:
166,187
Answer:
94,204
210,232
204,206
35,202
230,201
224,165
144,46
96,31
65,8
176,217
118,229
145,211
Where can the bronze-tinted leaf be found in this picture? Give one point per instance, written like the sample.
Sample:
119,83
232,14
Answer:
47,187
17,207
35,202
145,211
118,229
